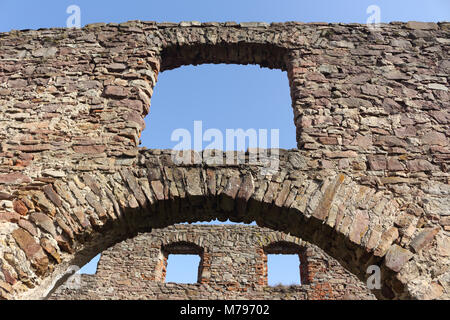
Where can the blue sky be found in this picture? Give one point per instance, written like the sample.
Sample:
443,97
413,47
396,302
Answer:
220,96
20,14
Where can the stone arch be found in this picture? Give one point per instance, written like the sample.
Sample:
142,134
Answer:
369,183
95,211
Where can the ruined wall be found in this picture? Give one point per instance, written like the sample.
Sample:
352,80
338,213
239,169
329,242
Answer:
233,266
369,183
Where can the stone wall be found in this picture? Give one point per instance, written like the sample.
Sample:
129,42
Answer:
368,184
233,266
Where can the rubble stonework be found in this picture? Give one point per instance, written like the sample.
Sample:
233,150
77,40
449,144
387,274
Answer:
368,184
233,265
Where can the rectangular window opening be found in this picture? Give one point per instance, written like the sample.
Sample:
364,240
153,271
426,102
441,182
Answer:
182,268
283,270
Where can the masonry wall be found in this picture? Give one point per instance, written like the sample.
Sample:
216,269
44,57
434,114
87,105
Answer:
233,266
369,182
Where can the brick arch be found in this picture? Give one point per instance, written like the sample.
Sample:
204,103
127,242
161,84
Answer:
369,183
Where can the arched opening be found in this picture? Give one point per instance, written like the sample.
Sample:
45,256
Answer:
143,200
152,191
363,218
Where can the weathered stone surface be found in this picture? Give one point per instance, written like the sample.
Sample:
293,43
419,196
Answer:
116,67
44,204
423,239
32,249
193,185
93,149
390,141
386,240
44,222
397,257
359,227
6,196
93,201
377,163
52,195
158,189
340,154
394,180
394,165
135,187
245,192
434,138
115,92
323,208
419,165
369,107
437,86
27,225
396,75
50,249
9,217
14,178
233,265
53,173
298,161
443,245
421,25
45,52
92,184
34,147
20,207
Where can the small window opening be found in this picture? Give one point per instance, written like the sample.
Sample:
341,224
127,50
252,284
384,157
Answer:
182,262
283,269
182,268
286,264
